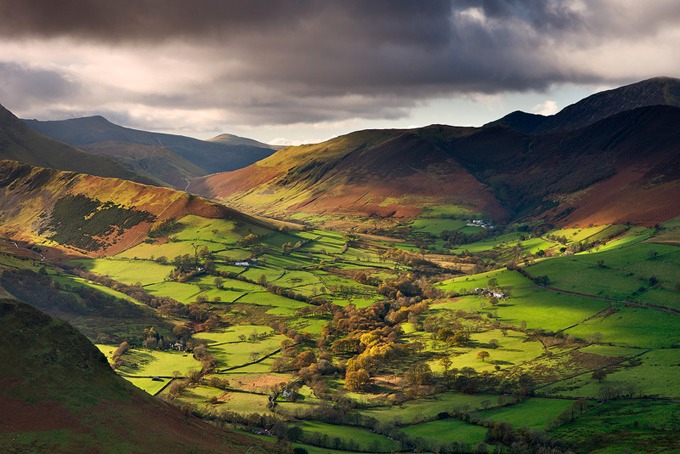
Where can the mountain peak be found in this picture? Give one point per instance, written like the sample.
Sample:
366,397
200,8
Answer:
649,92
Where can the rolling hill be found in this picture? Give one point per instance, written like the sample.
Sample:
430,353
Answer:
168,158
88,214
621,168
59,394
21,143
231,139
370,173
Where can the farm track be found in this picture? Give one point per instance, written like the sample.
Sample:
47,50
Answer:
259,360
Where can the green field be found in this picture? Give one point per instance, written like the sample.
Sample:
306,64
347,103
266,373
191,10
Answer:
534,413
633,327
538,307
333,436
651,374
625,426
143,362
447,431
414,412
126,271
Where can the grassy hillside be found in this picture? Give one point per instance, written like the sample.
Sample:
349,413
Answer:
60,395
157,163
389,173
89,214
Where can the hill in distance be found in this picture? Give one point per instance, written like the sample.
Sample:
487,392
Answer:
231,139
621,168
21,143
59,394
169,159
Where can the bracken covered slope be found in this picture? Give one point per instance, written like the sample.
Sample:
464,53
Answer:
88,214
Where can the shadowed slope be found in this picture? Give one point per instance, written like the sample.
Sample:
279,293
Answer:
21,143
209,156
58,394
658,91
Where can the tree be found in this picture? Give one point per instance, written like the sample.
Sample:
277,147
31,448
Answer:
461,338
419,374
357,380
599,375
493,343
219,282
294,434
492,284
446,363
483,355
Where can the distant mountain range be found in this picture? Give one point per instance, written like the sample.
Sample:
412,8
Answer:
230,139
165,158
612,157
21,143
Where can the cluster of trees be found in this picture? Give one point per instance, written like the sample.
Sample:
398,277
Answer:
453,238
188,266
165,228
165,305
408,285
409,259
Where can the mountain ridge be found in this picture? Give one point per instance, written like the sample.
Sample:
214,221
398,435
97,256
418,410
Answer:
98,135
520,174
21,143
649,92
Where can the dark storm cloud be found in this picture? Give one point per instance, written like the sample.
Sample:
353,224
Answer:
313,60
22,86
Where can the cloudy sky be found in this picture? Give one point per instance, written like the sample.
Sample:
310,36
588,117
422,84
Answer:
306,70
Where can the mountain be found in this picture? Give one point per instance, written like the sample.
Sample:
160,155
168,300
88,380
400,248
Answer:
21,143
650,92
59,394
157,163
231,139
169,158
91,215
622,168
368,173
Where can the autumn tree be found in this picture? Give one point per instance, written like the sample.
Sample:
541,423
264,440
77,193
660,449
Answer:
483,355
357,380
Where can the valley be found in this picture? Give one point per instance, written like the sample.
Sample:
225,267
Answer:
440,289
